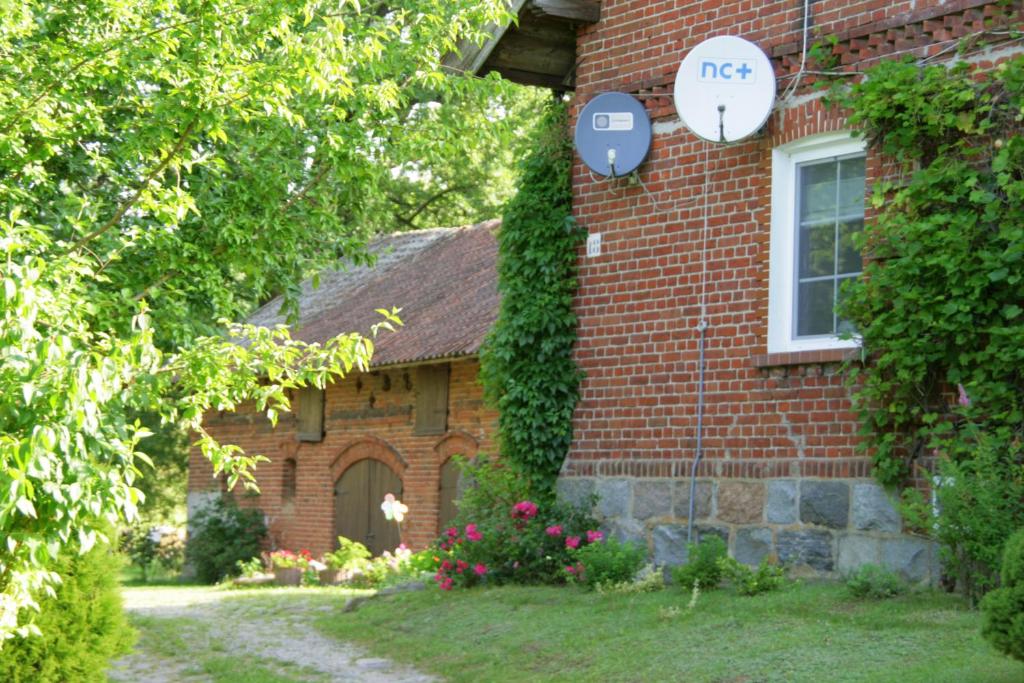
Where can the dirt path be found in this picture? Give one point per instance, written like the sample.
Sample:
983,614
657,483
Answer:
199,635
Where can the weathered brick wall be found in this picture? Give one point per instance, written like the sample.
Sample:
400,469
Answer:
779,416
366,416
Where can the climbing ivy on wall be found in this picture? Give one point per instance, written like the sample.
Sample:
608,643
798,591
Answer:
940,305
526,366
941,302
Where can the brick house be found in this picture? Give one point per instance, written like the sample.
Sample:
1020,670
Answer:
391,430
780,473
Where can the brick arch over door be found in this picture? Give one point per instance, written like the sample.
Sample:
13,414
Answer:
452,443
368,447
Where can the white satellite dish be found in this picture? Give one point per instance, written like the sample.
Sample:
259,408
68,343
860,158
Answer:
725,89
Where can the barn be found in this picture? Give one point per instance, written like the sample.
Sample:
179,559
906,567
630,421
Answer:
393,429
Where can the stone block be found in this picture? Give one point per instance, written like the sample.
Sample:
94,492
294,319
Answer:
626,530
911,558
872,510
575,491
703,506
669,544
752,544
855,550
614,497
652,499
741,502
810,547
702,531
826,503
781,507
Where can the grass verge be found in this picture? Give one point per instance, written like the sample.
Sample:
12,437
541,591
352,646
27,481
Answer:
811,632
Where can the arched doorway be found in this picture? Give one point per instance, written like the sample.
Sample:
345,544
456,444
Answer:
358,494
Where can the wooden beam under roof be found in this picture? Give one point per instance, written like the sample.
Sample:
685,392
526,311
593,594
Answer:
538,50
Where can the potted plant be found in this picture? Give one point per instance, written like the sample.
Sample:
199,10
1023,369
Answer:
343,562
289,566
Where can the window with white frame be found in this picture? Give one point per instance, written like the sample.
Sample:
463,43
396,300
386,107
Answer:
817,207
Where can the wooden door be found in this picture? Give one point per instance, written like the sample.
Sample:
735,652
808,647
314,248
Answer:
449,494
357,498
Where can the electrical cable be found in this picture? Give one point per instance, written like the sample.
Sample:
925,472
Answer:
702,327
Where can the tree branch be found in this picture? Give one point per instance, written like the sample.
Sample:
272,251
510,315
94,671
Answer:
119,214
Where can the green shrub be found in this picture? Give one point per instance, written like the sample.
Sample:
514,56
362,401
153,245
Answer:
702,564
1004,607
83,627
222,534
873,581
980,497
608,563
766,578
348,554
152,547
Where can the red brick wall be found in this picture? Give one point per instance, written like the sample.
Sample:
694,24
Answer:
786,415
362,419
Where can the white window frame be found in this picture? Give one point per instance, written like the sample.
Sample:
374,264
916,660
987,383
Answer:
781,264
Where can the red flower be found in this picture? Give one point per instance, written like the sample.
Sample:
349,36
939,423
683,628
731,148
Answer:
594,537
554,530
572,542
524,510
472,534
452,532
480,569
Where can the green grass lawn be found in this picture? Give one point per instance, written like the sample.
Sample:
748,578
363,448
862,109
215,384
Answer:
808,632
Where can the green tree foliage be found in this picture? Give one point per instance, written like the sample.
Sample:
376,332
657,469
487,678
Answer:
82,626
939,306
1004,607
527,366
164,165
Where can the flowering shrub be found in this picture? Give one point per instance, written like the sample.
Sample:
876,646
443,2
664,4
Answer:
522,546
286,559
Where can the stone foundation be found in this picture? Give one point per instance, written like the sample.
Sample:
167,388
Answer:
817,527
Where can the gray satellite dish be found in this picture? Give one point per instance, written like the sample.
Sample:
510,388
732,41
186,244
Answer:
613,134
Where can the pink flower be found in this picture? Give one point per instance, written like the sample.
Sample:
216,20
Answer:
594,537
963,399
554,530
452,532
480,569
571,569
572,542
524,510
472,534
446,565
446,585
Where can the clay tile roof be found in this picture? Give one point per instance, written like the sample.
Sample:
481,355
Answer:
444,280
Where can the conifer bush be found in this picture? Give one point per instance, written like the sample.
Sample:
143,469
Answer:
1004,607
82,629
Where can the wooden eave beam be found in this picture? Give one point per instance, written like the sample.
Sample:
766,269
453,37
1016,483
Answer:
578,11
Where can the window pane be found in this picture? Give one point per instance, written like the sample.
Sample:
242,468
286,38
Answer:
844,325
851,187
815,301
849,256
818,192
817,250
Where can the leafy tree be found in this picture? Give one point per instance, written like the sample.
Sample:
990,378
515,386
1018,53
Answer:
164,165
